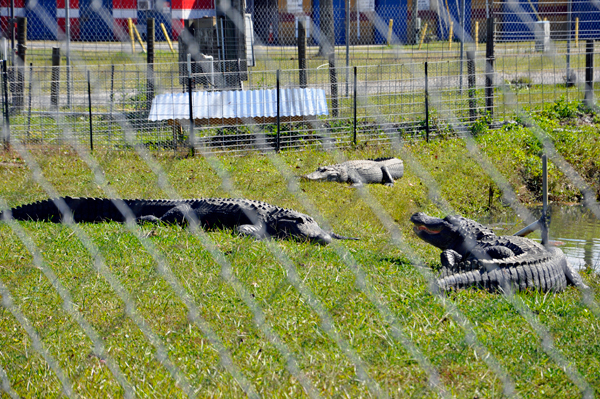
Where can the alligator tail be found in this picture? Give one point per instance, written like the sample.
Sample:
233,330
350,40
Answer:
42,210
339,237
83,210
546,276
93,209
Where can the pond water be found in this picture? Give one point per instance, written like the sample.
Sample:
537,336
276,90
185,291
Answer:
573,229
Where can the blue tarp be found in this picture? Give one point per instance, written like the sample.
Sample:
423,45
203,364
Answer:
519,18
94,21
339,19
588,13
386,10
454,7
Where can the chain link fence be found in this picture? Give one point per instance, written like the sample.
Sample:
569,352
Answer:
363,32
403,79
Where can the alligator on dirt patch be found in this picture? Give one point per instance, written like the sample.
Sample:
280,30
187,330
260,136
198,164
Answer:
473,256
247,217
359,172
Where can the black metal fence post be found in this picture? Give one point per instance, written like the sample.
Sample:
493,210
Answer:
191,138
489,67
150,62
302,52
355,100
112,98
334,86
426,102
29,102
90,111
544,224
278,138
6,127
11,22
55,83
21,38
471,83
589,73
20,67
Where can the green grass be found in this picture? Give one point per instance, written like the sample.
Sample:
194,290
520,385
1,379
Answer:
514,151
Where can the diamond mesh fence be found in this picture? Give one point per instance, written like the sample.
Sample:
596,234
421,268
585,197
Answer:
187,316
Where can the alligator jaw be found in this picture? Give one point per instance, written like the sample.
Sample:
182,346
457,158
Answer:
310,176
339,237
323,239
431,235
435,231
322,175
419,227
427,224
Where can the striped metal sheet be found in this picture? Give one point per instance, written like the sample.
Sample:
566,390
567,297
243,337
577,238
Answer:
239,104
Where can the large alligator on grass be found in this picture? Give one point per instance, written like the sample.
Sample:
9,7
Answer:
473,256
359,172
248,217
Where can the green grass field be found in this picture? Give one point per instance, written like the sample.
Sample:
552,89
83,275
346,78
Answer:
296,307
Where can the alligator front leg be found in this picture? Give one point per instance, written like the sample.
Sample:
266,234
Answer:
450,258
177,215
387,179
257,231
148,218
355,178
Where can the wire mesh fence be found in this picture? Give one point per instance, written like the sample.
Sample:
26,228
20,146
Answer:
539,52
120,95
188,349
333,105
188,316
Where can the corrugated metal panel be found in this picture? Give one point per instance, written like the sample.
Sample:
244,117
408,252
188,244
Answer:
239,104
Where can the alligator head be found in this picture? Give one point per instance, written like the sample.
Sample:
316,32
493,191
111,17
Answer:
304,228
327,173
452,232
435,231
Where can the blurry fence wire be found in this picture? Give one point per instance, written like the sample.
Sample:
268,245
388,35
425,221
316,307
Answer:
111,105
386,220
36,341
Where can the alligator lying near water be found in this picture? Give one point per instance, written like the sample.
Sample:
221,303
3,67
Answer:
359,172
473,256
248,217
